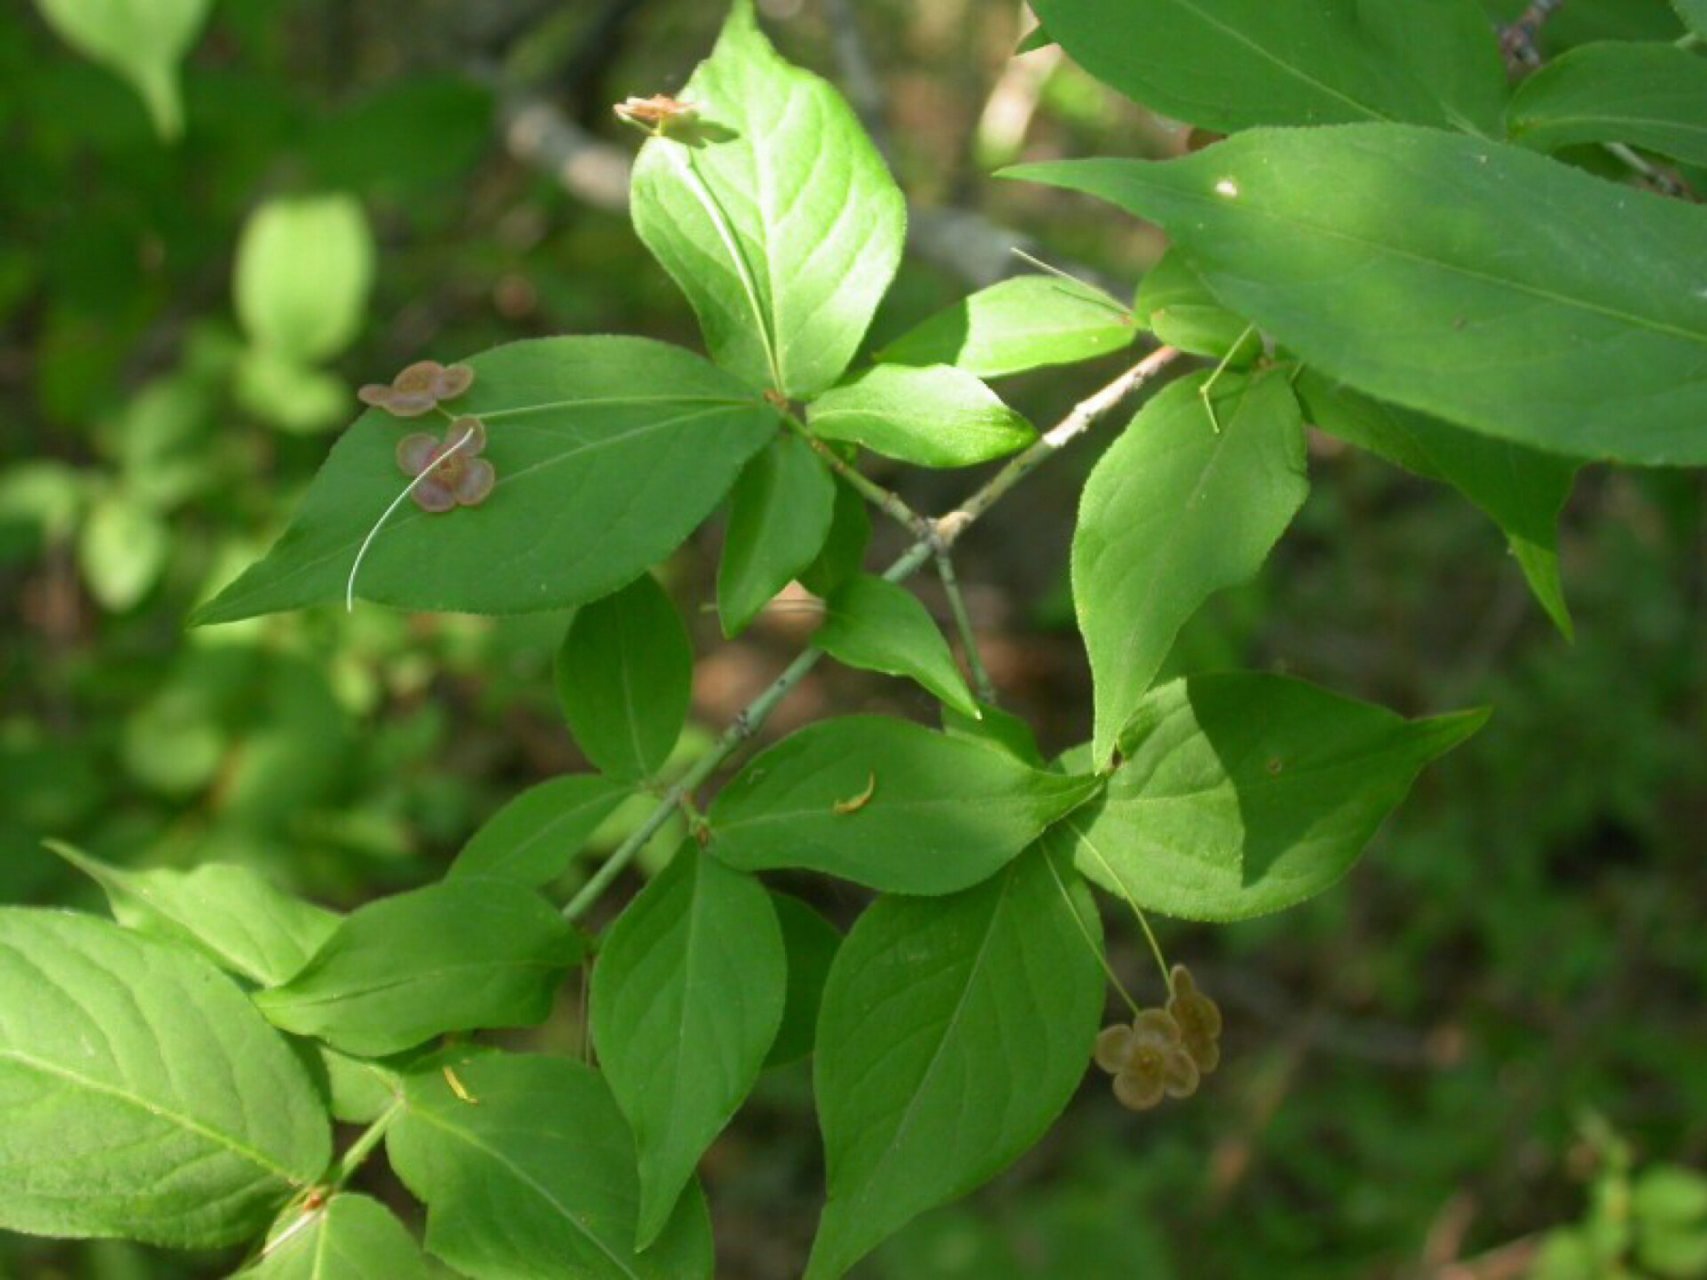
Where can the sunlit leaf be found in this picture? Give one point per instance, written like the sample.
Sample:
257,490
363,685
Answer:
934,416
779,517
304,268
773,212
231,914
1475,281
143,1095
142,40
1242,794
1014,325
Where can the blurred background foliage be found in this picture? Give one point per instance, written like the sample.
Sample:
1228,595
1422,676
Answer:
1485,1055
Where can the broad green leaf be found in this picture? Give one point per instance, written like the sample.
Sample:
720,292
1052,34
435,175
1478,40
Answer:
122,549
687,996
1230,64
953,1032
143,1096
844,546
608,453
873,624
1693,13
466,954
1175,305
304,269
1478,282
1014,325
773,212
997,728
1652,96
360,1091
932,416
534,836
536,1176
231,914
142,40
888,804
1243,794
811,943
625,679
349,1237
1175,511
1522,489
779,517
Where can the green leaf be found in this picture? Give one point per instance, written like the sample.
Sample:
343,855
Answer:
1478,282
458,956
844,546
608,453
1522,489
1175,304
1175,511
142,40
773,212
810,942
533,838
875,625
1014,325
888,804
953,1032
143,1095
997,728
935,416
1670,1194
687,996
1652,96
1230,64
122,550
349,1237
1243,794
304,269
1693,13
360,1091
625,679
779,517
231,914
535,1178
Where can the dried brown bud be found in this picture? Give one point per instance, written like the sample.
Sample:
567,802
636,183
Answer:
655,112
1198,1017
1147,1060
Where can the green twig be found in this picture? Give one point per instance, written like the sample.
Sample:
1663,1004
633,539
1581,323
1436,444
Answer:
364,1145
939,539
963,623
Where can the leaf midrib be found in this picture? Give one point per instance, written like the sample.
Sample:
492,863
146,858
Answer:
152,1108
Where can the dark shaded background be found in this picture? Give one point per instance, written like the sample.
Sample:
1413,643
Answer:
1423,1067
